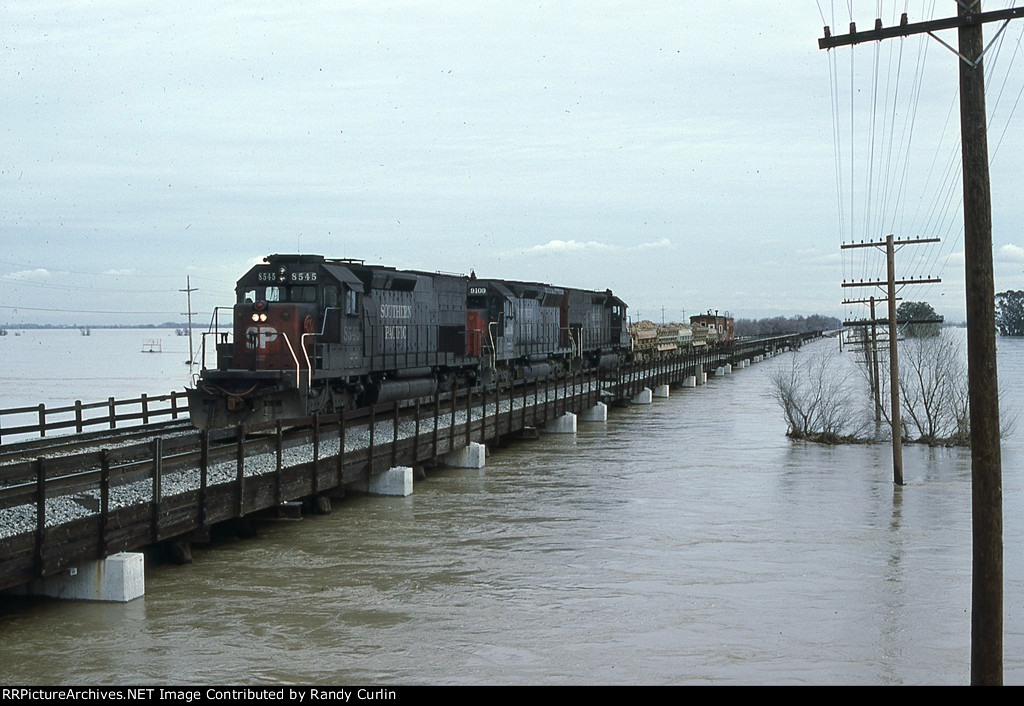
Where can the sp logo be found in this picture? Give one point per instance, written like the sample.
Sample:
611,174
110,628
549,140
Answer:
260,336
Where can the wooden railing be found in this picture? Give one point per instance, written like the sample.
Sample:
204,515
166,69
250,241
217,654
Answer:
40,420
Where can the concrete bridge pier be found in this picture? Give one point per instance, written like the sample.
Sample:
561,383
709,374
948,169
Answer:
392,482
661,391
645,396
690,381
566,424
472,456
597,413
117,579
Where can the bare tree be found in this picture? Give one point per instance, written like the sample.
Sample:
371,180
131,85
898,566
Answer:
818,398
933,390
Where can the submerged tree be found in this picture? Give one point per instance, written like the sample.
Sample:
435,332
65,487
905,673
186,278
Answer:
821,402
933,392
817,396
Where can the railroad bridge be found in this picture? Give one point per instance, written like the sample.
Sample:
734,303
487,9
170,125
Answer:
71,501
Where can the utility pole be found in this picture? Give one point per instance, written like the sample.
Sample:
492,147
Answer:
870,349
877,392
890,283
894,365
986,462
191,351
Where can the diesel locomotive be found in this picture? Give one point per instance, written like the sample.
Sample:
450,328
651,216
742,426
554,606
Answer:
317,335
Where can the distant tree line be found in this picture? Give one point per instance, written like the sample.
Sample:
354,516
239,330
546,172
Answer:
28,326
778,325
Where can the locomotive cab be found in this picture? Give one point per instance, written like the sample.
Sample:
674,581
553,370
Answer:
262,373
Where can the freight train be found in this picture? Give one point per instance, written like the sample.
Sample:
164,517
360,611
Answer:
652,341
317,335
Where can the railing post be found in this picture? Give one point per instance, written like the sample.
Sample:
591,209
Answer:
437,418
522,415
451,425
158,454
547,390
469,415
78,416
341,452
416,435
511,399
40,514
42,420
373,429
566,391
240,470
316,453
111,413
536,399
279,454
483,417
204,464
101,546
394,439
145,408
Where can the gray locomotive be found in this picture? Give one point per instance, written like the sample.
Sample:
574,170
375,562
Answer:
318,335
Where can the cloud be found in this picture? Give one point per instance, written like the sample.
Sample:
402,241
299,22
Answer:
1011,253
36,274
655,244
117,273
559,247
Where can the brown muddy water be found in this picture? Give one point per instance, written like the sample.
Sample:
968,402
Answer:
684,542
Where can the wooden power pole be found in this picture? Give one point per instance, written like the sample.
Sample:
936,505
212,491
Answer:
986,463
191,349
890,282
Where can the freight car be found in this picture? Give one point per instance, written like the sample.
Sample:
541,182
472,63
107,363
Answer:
317,335
651,341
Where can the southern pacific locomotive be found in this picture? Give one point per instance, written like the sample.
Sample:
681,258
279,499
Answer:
314,335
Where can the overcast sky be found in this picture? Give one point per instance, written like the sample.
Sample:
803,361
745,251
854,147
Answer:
682,154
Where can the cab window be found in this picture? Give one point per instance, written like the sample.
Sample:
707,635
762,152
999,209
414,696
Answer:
351,303
302,294
255,294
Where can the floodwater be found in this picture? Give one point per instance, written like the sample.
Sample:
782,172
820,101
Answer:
684,542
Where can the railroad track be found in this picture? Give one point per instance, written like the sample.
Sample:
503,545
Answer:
72,444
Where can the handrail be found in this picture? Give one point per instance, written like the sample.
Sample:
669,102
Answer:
305,354
45,421
295,359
